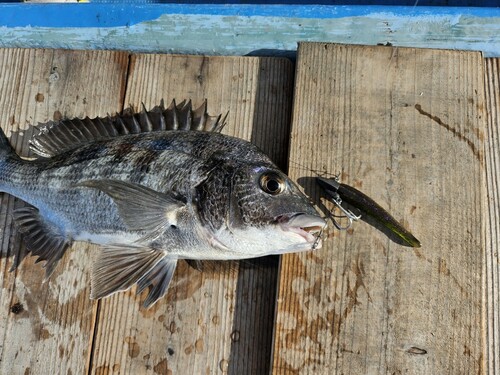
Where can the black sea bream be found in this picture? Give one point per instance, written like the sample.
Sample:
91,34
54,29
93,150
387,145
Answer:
151,188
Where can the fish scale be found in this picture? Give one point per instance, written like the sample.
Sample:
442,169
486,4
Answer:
151,188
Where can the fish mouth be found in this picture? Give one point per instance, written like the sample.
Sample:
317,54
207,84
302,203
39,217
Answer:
305,225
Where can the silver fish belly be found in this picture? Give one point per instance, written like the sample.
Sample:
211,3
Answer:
151,188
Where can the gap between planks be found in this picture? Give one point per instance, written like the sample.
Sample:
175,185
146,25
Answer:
492,274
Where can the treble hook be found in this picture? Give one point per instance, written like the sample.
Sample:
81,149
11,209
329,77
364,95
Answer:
332,186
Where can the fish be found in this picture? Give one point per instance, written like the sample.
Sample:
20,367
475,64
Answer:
151,188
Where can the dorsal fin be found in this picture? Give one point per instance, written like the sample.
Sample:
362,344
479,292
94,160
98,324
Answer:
55,137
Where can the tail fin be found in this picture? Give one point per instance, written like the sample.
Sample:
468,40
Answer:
7,155
5,147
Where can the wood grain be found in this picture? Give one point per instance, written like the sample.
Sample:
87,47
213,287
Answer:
209,322
405,126
492,150
47,327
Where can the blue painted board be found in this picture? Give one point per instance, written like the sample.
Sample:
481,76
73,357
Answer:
239,29
113,14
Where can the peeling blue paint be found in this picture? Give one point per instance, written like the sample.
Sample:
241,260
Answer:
124,15
241,30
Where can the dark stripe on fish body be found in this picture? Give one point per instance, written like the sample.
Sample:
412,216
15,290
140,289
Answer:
159,144
89,152
121,151
144,159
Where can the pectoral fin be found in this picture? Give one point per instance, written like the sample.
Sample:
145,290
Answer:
117,268
42,238
141,208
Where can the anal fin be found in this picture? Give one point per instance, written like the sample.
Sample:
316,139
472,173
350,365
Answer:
42,239
119,267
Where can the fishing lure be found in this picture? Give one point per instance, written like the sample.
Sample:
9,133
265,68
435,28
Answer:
340,192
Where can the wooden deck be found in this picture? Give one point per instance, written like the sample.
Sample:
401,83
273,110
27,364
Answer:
415,129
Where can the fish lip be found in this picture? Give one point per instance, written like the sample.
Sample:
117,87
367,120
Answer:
305,225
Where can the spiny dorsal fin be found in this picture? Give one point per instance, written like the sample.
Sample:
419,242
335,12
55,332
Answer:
55,137
41,237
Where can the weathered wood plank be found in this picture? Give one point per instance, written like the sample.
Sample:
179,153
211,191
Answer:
492,150
47,327
209,322
405,126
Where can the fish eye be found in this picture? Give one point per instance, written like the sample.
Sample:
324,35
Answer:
271,183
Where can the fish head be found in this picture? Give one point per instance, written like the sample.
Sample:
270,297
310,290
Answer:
264,212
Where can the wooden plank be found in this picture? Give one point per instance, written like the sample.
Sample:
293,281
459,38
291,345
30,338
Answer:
492,149
405,126
209,322
47,327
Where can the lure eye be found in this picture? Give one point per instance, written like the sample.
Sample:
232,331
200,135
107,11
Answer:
272,184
